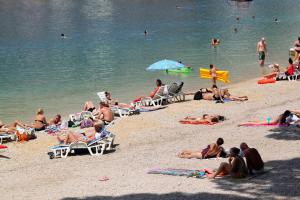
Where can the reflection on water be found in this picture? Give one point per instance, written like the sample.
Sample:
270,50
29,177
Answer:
106,49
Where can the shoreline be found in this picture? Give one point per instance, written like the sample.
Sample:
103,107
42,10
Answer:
65,113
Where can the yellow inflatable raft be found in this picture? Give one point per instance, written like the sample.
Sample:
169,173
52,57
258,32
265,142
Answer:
221,75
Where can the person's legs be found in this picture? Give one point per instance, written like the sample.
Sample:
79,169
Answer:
195,154
223,168
214,80
88,105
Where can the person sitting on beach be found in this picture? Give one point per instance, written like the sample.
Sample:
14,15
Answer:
286,118
290,69
56,120
153,93
106,114
88,136
89,106
214,150
236,166
253,158
205,119
275,71
215,42
39,124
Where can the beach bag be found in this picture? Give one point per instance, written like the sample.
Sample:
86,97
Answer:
198,95
86,123
22,137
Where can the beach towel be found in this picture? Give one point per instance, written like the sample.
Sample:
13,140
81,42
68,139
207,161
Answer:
195,122
181,172
149,109
262,124
52,129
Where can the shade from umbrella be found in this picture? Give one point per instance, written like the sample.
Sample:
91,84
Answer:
164,65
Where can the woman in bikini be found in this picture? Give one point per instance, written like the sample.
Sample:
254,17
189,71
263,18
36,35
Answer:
211,151
89,135
286,118
205,119
236,166
39,124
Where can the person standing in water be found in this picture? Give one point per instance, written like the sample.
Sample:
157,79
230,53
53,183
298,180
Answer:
145,32
261,50
213,72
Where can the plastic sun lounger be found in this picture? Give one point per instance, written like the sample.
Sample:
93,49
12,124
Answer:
95,147
4,136
122,112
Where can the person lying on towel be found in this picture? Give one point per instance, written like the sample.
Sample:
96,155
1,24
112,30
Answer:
236,166
205,119
214,150
285,119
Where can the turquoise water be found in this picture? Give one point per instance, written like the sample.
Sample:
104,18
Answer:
105,48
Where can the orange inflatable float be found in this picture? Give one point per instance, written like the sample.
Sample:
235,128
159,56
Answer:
266,81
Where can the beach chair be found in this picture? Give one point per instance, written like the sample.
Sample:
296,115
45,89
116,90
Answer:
175,91
160,97
121,112
95,147
4,136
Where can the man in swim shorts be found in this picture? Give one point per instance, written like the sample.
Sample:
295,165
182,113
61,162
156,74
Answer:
261,50
253,159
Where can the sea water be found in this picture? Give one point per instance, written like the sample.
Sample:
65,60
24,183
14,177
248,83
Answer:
105,47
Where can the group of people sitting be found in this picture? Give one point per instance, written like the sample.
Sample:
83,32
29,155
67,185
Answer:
236,166
277,74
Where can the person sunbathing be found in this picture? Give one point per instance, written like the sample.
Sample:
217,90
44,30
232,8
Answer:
39,124
114,102
205,119
88,136
236,166
106,114
286,118
211,151
56,120
216,94
275,71
153,93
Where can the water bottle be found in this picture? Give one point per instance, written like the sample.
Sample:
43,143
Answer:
269,120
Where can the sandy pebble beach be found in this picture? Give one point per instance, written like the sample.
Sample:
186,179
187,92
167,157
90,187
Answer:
151,140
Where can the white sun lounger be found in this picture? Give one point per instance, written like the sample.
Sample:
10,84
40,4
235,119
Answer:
122,112
4,136
95,147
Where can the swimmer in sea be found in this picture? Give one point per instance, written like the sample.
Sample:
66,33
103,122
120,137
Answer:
276,20
145,32
215,42
235,30
62,36
237,18
253,17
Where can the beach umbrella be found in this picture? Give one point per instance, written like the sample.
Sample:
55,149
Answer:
164,65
